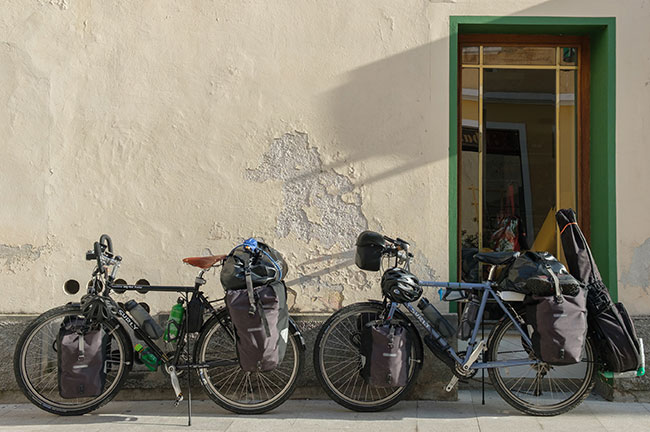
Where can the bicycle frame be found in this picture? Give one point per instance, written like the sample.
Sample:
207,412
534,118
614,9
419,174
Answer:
488,291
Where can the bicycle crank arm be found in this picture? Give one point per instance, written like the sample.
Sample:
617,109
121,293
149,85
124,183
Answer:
171,370
468,364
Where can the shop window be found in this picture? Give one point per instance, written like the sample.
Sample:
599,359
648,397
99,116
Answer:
521,145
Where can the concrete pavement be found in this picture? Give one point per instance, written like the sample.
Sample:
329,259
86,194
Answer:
466,415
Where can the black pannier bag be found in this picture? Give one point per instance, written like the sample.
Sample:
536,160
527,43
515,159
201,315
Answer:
527,275
370,246
258,309
559,324
81,359
385,354
613,331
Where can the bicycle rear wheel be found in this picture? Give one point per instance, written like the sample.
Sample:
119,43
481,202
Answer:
36,364
232,388
337,360
542,389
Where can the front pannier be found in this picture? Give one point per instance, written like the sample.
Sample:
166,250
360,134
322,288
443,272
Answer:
81,358
385,354
559,324
370,246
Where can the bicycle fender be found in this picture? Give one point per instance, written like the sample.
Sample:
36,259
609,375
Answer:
293,328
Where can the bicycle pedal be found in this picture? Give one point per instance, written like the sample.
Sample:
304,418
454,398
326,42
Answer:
178,400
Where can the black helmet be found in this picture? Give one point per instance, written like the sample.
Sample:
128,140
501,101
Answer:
400,286
94,308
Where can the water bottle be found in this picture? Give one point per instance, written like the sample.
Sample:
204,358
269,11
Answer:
434,317
174,322
148,358
142,317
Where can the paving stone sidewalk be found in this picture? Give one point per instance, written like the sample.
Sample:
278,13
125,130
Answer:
466,415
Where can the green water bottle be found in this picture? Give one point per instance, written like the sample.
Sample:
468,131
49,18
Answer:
148,358
174,322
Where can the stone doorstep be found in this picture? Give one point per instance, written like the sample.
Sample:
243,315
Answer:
144,384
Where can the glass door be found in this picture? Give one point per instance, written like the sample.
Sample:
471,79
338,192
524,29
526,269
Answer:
518,148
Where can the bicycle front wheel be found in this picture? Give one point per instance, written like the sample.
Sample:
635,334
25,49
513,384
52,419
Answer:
539,389
234,389
36,364
338,361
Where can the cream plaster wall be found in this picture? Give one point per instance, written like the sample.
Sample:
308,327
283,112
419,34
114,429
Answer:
175,126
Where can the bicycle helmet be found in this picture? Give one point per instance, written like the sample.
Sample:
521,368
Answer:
94,308
400,286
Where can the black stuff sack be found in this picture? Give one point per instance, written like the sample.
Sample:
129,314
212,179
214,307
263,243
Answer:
262,335
385,354
527,275
266,265
81,358
195,314
559,324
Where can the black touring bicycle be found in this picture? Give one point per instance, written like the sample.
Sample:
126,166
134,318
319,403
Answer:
205,324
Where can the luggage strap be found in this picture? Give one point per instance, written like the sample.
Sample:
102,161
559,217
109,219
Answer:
556,282
255,305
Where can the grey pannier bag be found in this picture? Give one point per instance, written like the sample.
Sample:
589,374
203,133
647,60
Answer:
81,358
559,324
385,353
261,336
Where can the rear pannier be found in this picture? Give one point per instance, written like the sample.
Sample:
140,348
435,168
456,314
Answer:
385,354
81,358
370,246
559,324
256,298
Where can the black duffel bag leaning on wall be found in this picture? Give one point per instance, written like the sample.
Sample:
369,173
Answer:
81,357
256,299
559,322
613,331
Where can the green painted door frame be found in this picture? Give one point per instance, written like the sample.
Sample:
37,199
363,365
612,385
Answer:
602,35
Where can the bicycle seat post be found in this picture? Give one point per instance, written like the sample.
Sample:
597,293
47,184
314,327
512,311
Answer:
491,273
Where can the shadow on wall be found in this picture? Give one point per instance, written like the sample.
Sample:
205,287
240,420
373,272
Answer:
393,108
387,109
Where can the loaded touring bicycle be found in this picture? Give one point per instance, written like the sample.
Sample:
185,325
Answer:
75,358
540,357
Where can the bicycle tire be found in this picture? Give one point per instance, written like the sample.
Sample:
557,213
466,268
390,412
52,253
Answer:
350,313
225,349
66,407
578,388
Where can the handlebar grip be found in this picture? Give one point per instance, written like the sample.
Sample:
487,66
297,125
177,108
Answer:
106,239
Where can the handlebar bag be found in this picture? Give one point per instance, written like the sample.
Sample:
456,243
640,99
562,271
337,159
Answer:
267,265
81,359
262,333
385,354
369,247
559,324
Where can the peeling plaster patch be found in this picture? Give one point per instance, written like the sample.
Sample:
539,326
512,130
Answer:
61,4
17,256
638,275
318,204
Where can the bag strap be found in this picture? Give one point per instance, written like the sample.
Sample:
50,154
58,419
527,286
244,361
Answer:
556,281
249,289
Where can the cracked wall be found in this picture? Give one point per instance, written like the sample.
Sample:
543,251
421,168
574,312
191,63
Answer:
176,127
